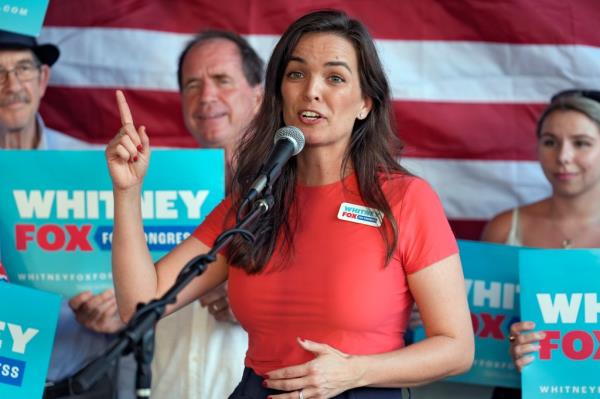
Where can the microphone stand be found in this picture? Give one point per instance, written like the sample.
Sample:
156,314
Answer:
138,335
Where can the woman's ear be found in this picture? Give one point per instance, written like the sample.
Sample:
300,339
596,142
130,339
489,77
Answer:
258,93
366,108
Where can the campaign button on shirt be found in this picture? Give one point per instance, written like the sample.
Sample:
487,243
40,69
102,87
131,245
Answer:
360,214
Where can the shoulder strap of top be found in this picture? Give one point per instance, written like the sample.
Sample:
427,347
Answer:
514,235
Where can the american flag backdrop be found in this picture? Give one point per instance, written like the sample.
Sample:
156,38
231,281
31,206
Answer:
468,77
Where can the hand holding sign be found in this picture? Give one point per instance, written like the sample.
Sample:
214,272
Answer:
98,313
523,342
27,326
128,153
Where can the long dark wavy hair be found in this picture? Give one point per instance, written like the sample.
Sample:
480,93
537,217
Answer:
372,152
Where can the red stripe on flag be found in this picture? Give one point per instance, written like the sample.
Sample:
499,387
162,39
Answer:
468,131
516,21
467,229
92,114
432,130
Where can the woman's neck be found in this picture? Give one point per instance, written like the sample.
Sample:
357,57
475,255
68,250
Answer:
318,167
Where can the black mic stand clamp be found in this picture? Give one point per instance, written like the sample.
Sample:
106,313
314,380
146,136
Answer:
143,353
138,335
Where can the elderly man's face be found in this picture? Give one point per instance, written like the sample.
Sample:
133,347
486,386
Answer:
20,95
218,102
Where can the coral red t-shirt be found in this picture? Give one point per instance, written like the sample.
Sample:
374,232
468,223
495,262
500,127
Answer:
335,288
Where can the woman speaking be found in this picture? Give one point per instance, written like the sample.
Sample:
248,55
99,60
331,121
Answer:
324,295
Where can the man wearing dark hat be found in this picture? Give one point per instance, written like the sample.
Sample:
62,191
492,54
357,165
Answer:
24,74
86,319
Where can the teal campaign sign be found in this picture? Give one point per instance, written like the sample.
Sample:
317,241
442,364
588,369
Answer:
23,16
56,212
492,284
560,292
491,279
27,326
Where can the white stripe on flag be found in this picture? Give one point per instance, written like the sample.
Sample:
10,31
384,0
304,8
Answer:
486,72
418,70
478,190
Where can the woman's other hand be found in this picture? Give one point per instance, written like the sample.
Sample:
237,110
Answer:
330,373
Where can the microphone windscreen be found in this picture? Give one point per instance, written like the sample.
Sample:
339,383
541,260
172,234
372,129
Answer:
293,134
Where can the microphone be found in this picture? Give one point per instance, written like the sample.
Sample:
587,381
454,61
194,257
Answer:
289,141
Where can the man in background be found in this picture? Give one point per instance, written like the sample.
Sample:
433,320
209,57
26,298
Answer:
86,320
219,77
198,356
24,76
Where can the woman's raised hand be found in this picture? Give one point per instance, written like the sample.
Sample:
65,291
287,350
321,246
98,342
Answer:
128,153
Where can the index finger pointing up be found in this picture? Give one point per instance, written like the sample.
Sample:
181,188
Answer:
124,111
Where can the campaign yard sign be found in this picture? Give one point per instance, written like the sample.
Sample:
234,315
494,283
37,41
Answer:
23,16
560,292
491,279
27,325
56,212
492,284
